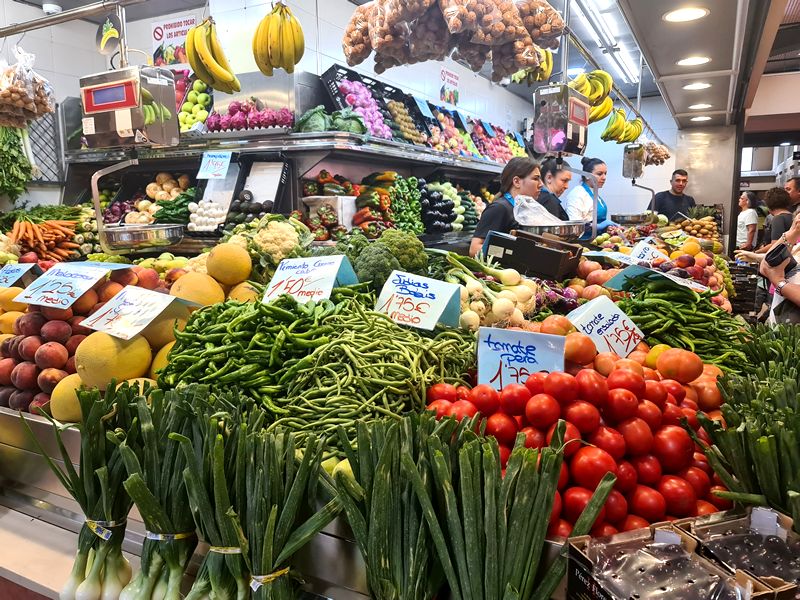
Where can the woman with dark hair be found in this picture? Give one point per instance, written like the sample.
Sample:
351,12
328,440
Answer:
747,221
521,177
579,203
555,181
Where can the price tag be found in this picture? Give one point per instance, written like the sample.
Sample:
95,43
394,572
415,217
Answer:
489,129
12,273
129,312
616,256
62,285
306,279
419,301
511,356
618,281
644,250
214,165
106,266
424,108
519,138
461,121
610,328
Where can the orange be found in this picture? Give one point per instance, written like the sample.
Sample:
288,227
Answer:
691,247
676,254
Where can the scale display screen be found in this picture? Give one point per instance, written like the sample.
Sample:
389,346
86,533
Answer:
110,96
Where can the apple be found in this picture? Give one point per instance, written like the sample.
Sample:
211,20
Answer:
182,117
201,115
204,99
192,97
29,257
199,87
187,107
196,109
184,128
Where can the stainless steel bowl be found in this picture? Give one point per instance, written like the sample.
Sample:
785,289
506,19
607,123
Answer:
568,230
639,219
138,237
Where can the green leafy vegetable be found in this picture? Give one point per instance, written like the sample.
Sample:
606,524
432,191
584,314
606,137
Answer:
15,168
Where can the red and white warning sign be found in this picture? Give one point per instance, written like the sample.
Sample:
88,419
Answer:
169,39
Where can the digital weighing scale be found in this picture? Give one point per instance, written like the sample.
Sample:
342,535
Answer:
561,120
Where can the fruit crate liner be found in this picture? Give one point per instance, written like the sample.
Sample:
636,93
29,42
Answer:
421,124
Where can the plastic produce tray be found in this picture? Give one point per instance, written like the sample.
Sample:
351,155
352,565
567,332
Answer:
331,79
420,122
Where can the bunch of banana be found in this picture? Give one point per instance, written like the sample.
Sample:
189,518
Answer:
539,73
207,59
631,131
602,110
595,85
615,126
279,42
155,111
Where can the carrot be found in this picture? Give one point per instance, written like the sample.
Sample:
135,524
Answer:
68,245
60,229
14,232
61,252
37,232
53,256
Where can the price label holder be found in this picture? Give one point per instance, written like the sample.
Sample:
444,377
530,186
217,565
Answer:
12,273
519,138
214,165
130,311
419,301
646,251
618,282
461,121
511,356
610,256
424,108
489,129
306,279
610,329
62,285
106,266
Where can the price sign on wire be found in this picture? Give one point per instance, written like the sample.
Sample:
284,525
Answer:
12,273
61,285
511,356
519,138
306,279
129,312
419,301
633,271
488,128
610,329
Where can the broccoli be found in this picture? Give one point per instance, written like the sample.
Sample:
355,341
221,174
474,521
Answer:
375,264
407,249
352,245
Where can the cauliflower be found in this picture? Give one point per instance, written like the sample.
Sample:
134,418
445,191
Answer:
407,249
198,263
278,239
239,240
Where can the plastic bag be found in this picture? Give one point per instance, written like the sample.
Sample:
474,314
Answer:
17,86
44,96
529,213
475,55
543,22
429,38
501,24
357,45
464,15
514,56
405,11
385,32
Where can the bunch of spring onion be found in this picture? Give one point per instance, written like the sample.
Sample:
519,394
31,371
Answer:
268,516
156,485
100,570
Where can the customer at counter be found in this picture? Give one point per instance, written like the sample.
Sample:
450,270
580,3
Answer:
747,221
674,201
555,181
786,303
521,177
579,203
792,187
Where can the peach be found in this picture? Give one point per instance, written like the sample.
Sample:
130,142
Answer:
108,291
5,347
28,347
30,324
85,303
20,400
70,366
49,378
73,342
38,404
51,355
173,275
6,367
5,394
24,376
684,261
14,347
57,314
77,328
56,331
124,277
149,279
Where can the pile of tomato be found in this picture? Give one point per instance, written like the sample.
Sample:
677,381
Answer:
622,416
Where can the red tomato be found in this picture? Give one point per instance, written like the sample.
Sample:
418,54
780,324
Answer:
703,435
592,387
691,394
555,514
572,438
632,522
442,391
603,530
622,404
627,364
648,503
589,465
486,399
563,476
557,325
637,434
562,386
535,383
572,368
705,508
671,399
625,379
534,438
559,529
708,395
505,452
627,477
513,398
604,363
688,403
675,388
672,415
674,448
679,495
464,393
579,348
583,415
691,417
610,440
699,480
575,500
542,411
502,427
638,356
720,503
656,393
616,507
701,462
681,365
651,374
440,407
462,409
712,371
650,413
648,469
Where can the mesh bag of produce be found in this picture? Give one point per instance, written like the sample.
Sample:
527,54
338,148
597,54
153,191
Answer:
17,91
464,15
474,55
501,24
385,32
429,38
357,44
543,22
513,56
405,11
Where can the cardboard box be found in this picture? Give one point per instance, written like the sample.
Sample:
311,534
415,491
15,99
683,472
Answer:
345,207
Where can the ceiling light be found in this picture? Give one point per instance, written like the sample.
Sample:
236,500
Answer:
693,61
697,86
699,106
598,22
786,143
701,118
681,15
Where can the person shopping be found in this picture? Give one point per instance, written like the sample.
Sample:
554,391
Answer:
579,203
786,300
747,221
674,201
555,181
521,177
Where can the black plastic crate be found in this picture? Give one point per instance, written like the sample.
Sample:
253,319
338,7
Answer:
331,79
419,120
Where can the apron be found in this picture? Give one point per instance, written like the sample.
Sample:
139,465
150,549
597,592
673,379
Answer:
602,208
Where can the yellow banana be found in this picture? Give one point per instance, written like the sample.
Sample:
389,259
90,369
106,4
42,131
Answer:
610,126
287,42
549,71
596,95
217,71
299,37
194,59
260,47
605,78
275,37
219,54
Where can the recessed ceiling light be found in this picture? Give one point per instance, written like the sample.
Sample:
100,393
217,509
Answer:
693,61
681,15
786,143
699,106
697,86
701,118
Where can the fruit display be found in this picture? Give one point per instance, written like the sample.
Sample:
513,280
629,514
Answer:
514,147
278,42
249,115
448,138
207,59
408,130
195,106
657,154
619,129
595,85
705,227
495,147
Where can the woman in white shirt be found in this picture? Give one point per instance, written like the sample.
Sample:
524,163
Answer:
747,221
579,203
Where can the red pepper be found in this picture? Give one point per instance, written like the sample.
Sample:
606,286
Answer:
325,177
385,201
370,229
364,215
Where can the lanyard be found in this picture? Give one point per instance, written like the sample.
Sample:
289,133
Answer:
600,201
510,199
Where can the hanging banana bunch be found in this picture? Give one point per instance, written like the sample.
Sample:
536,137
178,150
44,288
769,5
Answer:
595,85
539,73
279,42
620,130
208,60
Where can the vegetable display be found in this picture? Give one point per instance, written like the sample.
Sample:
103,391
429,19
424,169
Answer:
358,96
15,168
178,209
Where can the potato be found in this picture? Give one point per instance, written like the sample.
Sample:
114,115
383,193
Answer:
162,178
161,196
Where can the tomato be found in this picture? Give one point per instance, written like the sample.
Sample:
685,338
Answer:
650,414
627,364
648,503
720,503
589,465
502,427
672,415
592,387
628,380
656,393
637,434
575,500
650,374
583,415
464,393
671,399
603,530
712,371
627,477
698,479
708,395
691,417
572,438
462,409
691,394
622,404
705,508
440,407
560,528
442,391
534,438
610,440
680,365
674,448
701,462
642,347
562,386
654,353
648,469
638,356
674,388
687,403
513,398
604,363
486,399
555,513
542,411
505,453
535,383
557,325
632,522
679,495
572,368
616,507
704,437
579,348
563,476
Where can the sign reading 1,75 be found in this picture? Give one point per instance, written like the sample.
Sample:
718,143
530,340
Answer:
404,310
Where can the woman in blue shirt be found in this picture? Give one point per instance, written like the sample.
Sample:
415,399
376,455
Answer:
579,203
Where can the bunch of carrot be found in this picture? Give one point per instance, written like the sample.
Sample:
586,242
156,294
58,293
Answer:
50,240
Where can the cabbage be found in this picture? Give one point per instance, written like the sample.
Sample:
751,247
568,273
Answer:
314,120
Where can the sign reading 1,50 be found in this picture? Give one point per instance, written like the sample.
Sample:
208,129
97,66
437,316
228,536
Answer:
403,309
295,286
53,292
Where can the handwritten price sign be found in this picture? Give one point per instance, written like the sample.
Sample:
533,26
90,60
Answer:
215,165
306,279
511,356
11,274
419,301
129,312
610,328
618,282
62,285
644,250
